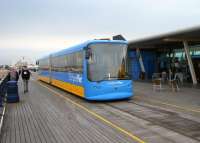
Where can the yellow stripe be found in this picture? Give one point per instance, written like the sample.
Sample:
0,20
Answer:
135,138
172,105
77,90
43,78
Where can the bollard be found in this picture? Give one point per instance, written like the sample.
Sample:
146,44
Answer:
12,92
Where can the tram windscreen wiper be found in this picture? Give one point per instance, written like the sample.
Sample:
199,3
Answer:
106,78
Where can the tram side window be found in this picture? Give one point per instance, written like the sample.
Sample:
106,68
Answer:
68,63
74,62
44,64
58,63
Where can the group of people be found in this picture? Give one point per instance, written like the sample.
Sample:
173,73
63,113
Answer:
25,74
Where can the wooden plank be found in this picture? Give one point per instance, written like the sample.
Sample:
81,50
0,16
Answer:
12,133
42,123
28,122
36,128
41,114
17,128
21,129
41,117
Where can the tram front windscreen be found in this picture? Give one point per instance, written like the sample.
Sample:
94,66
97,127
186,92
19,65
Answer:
107,61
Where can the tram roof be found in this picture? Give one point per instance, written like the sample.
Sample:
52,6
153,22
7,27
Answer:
83,45
79,47
170,40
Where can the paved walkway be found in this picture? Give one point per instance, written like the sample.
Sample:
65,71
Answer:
189,98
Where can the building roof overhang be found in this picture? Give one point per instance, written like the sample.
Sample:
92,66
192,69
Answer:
170,40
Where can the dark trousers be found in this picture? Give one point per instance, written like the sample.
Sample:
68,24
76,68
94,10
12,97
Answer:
25,83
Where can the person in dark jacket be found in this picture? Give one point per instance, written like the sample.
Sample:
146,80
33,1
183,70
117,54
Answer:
25,73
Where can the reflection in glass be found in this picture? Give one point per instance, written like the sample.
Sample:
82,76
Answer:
107,62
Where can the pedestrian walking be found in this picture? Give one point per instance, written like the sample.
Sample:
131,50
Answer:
13,75
19,71
25,77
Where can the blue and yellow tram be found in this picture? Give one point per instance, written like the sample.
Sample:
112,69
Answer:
94,70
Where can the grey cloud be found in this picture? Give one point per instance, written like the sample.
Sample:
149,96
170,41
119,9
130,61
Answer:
90,18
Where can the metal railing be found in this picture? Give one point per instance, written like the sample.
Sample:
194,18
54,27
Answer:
3,82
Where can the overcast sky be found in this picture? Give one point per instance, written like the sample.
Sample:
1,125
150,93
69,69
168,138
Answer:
33,28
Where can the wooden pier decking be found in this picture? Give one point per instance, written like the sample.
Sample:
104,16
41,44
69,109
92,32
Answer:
41,117
50,115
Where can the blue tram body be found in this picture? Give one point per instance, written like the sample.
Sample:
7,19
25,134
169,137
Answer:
94,70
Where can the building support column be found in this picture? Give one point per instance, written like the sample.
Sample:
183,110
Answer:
140,60
189,59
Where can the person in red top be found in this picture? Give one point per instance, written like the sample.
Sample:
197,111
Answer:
25,73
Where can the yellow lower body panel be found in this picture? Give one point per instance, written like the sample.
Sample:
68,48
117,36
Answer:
78,90
43,78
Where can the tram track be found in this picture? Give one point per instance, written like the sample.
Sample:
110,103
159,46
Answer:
160,117
94,114
151,113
